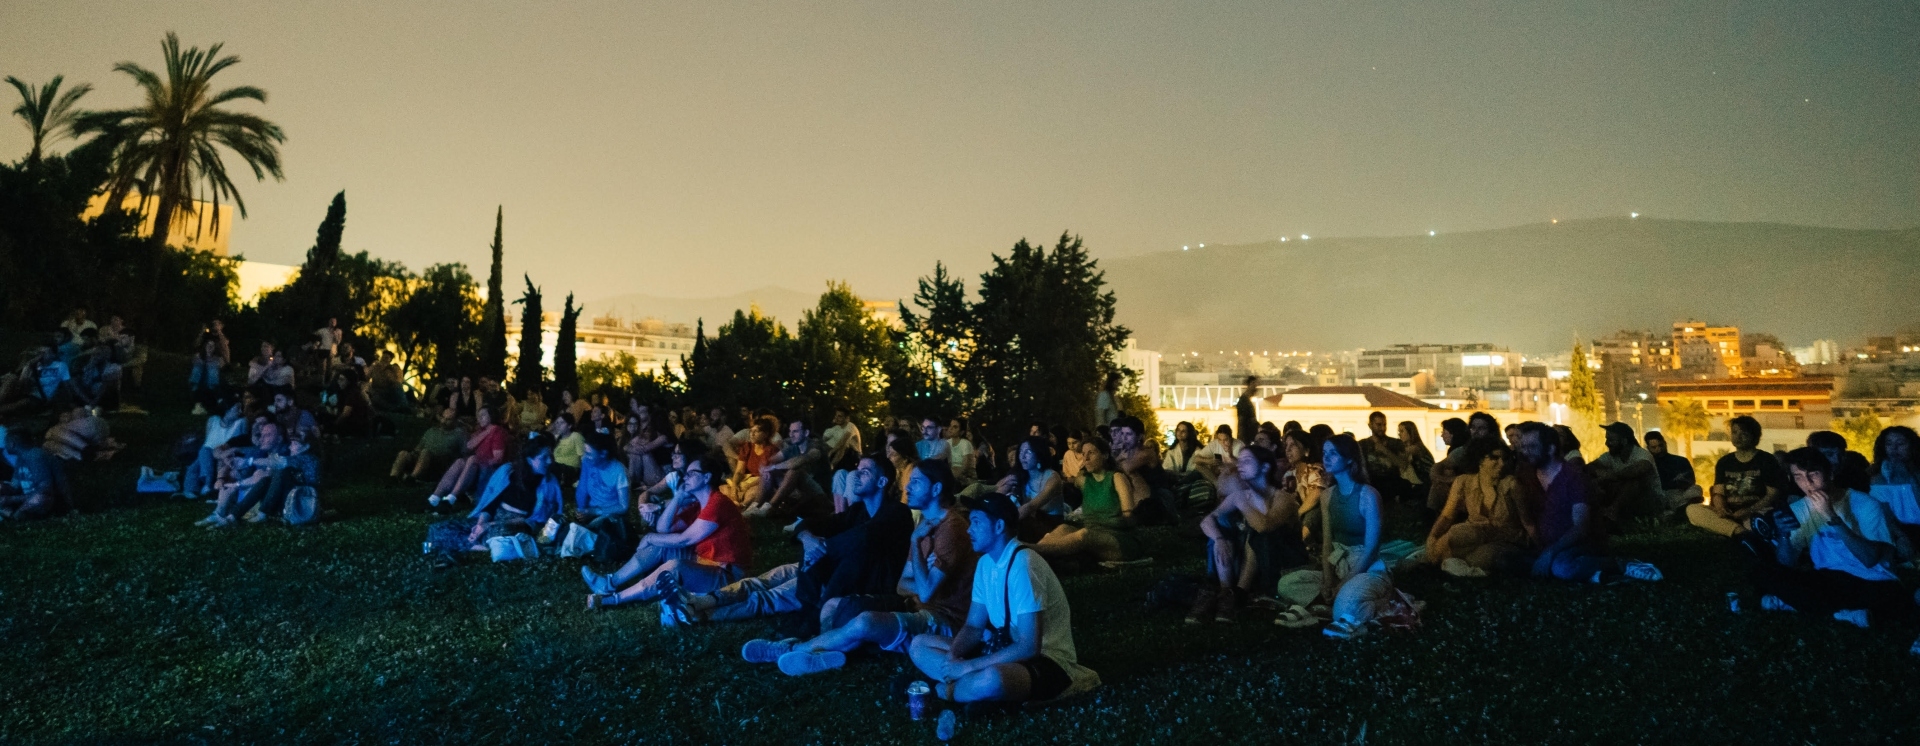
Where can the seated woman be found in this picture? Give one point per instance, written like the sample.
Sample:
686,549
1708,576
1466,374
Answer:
203,377
602,495
520,496
1036,487
225,427
1255,529
485,450
82,435
719,537
38,487
1184,463
1105,525
1354,560
1482,528
1896,466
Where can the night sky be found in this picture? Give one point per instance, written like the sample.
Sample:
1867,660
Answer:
699,149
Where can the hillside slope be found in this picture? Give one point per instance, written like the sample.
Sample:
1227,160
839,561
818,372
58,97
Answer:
1530,287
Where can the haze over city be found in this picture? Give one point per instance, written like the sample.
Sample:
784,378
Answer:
705,150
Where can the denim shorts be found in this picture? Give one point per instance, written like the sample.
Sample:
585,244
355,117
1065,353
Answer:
914,624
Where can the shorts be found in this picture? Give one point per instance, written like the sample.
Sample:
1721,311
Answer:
1047,679
916,623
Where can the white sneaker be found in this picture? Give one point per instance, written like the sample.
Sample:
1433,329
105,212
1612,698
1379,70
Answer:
433,500
1855,617
1643,572
792,527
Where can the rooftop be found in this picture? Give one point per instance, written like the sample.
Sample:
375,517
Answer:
1322,397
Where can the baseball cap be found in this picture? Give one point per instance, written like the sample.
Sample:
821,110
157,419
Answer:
996,505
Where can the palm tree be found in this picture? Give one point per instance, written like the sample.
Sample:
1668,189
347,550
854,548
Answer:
1683,419
49,114
169,145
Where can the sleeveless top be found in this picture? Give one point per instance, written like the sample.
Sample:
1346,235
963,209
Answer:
1100,501
1037,482
1346,524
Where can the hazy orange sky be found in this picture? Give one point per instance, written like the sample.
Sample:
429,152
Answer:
699,149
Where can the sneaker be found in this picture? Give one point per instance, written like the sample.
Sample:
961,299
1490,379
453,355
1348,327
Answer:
1460,569
1203,601
792,527
256,517
1341,629
673,611
596,582
1773,603
949,725
1297,617
1855,617
801,663
199,410
433,501
1643,572
767,651
1226,609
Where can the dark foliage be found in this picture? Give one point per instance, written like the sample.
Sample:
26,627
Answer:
528,372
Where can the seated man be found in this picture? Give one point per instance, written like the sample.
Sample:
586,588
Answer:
1747,482
44,384
439,446
1627,478
1846,535
720,538
224,428
1017,642
1387,460
386,389
938,583
38,487
857,552
255,473
1570,545
1677,482
292,419
1851,470
602,495
269,373
81,435
790,473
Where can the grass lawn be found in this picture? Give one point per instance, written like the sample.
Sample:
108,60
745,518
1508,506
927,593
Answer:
126,624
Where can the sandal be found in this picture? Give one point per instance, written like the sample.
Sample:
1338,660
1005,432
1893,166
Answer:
1296,617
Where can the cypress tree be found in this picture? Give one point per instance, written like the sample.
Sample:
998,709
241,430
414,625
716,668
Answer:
528,373
493,319
565,376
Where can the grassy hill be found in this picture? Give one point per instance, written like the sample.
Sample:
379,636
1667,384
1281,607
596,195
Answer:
1530,287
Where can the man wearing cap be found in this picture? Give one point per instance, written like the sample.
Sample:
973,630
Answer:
1017,643
1626,477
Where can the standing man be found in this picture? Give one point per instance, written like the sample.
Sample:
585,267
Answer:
1245,412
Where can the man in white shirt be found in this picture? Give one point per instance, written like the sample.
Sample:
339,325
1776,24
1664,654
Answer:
842,439
1845,536
1017,643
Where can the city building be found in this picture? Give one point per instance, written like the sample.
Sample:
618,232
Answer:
1787,408
1707,352
656,345
1459,376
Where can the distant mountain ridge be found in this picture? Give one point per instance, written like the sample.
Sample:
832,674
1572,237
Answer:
780,303
1530,287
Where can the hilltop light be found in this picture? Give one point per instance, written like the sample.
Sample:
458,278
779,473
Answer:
1203,246
1432,233
1283,239
1183,248
1633,215
1303,236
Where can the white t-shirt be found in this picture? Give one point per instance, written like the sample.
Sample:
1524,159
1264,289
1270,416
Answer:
1020,579
960,453
1830,552
219,431
1900,501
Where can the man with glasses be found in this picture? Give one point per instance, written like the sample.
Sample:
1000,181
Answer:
721,544
790,473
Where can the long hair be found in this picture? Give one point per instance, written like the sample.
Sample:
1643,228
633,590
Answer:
1913,448
1349,449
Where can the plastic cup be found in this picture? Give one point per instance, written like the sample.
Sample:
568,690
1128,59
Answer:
917,694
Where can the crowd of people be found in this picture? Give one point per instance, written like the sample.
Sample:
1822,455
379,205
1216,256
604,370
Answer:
931,541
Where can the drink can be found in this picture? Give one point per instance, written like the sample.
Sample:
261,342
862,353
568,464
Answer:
426,547
1733,602
917,694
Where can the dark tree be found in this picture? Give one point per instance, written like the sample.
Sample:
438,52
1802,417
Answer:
528,373
493,318
842,349
750,362
565,376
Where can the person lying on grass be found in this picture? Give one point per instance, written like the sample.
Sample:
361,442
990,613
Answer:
722,545
938,583
1017,642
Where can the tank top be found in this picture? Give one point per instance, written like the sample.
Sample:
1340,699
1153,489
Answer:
1037,482
1347,526
1100,501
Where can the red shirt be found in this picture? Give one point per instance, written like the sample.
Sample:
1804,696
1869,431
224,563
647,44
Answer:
730,544
492,448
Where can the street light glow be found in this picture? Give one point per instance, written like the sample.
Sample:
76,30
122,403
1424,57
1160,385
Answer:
1430,233
1303,236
